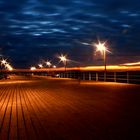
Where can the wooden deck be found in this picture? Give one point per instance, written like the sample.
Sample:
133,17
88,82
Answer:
40,109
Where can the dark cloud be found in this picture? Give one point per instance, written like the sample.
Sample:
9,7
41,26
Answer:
31,29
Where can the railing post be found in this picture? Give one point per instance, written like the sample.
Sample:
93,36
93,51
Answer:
83,76
115,78
105,76
89,76
127,77
97,76
79,75
70,74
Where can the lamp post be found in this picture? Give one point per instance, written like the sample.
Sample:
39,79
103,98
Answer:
48,63
3,62
102,48
64,60
105,59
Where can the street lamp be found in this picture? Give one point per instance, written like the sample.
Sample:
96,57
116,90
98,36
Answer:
3,62
54,66
40,65
33,68
6,64
48,63
64,60
102,48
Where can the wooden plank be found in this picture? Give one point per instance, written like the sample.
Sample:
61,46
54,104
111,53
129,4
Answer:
13,132
63,109
36,114
6,111
28,122
21,124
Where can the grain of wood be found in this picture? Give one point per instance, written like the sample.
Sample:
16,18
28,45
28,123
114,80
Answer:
63,109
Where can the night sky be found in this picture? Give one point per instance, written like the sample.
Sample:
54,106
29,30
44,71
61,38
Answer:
36,30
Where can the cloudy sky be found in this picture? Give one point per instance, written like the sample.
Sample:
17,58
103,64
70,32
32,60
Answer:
35,30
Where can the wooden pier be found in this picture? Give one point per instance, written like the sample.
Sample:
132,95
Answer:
64,109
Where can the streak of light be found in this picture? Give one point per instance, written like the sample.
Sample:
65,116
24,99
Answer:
132,64
84,43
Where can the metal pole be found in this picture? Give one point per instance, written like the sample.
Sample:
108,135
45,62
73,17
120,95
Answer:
127,77
89,76
65,65
83,76
96,76
115,78
104,65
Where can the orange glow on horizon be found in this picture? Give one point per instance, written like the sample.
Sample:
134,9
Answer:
86,68
111,67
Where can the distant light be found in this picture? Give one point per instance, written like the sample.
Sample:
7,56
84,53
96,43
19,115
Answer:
54,66
40,65
57,75
100,47
3,62
48,63
33,68
63,58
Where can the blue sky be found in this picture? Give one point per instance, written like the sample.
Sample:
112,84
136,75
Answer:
35,30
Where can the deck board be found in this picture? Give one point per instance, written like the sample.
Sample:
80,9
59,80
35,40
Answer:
52,109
